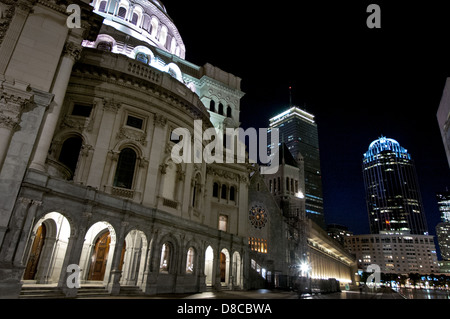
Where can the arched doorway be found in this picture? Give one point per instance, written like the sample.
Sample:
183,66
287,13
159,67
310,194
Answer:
46,249
35,253
98,252
224,267
209,261
236,269
133,258
99,257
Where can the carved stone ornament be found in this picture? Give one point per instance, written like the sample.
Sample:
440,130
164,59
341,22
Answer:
72,50
160,120
111,105
130,134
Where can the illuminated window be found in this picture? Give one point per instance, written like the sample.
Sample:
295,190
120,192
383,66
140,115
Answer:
165,258
190,261
257,244
223,222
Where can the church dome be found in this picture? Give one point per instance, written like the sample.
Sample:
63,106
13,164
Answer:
144,20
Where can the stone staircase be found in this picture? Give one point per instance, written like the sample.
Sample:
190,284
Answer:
84,292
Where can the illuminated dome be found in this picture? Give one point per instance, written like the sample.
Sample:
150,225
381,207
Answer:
386,144
143,20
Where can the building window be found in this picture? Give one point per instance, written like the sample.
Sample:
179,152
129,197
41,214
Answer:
134,19
232,193
258,245
82,110
229,111
104,46
212,106
223,222
125,169
221,109
190,261
165,258
224,192
142,57
135,122
216,190
70,152
102,6
122,13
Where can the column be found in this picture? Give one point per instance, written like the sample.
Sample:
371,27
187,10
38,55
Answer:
151,271
71,54
20,10
115,274
73,253
15,97
110,109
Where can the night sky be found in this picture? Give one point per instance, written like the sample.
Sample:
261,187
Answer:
360,83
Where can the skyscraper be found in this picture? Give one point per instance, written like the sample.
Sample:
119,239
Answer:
392,192
443,201
443,228
298,130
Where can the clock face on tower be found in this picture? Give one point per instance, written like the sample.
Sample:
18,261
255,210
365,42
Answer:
257,216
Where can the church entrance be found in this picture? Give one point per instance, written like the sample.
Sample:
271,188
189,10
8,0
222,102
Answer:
100,257
36,251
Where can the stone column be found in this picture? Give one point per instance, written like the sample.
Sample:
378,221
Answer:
115,274
71,54
14,99
110,109
73,254
150,273
15,16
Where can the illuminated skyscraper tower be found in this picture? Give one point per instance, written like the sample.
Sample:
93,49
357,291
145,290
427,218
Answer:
392,191
298,131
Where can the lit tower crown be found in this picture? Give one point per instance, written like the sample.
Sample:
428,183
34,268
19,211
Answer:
392,191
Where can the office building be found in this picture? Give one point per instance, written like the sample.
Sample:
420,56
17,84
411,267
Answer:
394,253
393,197
298,130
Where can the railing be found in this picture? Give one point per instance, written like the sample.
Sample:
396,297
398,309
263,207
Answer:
122,192
170,203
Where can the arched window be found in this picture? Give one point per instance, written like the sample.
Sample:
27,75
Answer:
163,35
233,193
190,261
134,18
221,109
216,190
229,111
165,258
224,192
146,23
125,169
142,57
70,151
104,46
212,106
153,26
102,6
122,13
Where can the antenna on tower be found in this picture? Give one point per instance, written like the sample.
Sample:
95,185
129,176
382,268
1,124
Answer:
290,96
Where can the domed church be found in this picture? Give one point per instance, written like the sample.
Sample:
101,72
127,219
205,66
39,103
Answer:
88,121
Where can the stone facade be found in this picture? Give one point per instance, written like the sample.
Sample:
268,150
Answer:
87,128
